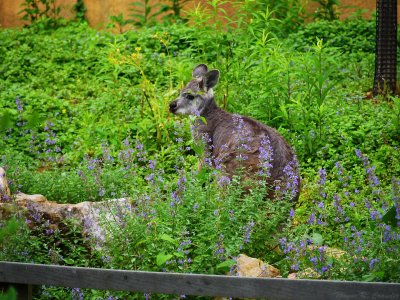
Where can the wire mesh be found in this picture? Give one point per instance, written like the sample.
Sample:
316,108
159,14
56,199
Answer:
386,46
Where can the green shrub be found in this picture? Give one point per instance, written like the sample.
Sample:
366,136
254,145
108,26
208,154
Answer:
350,36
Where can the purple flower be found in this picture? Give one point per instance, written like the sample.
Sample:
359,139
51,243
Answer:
77,294
372,262
265,156
295,267
247,231
219,246
150,177
181,181
311,220
314,260
325,269
322,176
152,164
358,153
374,214
339,168
20,106
49,231
292,179
224,181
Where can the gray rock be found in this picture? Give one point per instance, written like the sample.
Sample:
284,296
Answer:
94,217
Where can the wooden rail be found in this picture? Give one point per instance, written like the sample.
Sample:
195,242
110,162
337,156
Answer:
23,275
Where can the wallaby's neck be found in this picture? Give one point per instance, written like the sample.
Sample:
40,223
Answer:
213,115
210,110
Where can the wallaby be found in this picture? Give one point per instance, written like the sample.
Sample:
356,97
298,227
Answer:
236,141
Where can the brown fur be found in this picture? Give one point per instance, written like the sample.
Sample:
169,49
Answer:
226,134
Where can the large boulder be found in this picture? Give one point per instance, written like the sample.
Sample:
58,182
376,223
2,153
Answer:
253,267
5,194
38,210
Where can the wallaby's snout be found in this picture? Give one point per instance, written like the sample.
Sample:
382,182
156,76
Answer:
173,106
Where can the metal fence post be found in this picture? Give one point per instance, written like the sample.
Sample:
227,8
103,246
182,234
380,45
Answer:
386,47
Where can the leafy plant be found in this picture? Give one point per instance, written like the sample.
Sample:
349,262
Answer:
119,21
327,10
11,294
144,13
176,7
189,228
45,12
354,36
363,216
80,10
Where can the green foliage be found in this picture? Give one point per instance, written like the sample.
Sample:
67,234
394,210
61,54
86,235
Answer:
327,10
357,216
80,9
34,239
9,228
288,15
11,294
143,13
351,36
42,13
34,10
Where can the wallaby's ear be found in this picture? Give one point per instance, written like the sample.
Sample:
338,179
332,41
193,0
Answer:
211,78
199,71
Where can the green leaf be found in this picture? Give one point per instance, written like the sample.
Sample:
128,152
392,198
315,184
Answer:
69,261
5,121
9,229
11,294
202,176
167,238
390,217
317,238
34,120
226,265
283,109
162,258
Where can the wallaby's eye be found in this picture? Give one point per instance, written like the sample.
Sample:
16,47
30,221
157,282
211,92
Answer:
189,96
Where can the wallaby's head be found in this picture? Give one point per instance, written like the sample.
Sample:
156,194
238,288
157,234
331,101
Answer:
197,94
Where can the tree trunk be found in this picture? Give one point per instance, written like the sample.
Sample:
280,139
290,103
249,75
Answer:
386,47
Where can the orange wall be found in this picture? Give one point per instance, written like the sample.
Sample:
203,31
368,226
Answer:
10,16
99,11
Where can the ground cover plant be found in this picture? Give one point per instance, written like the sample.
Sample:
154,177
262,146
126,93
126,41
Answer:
84,116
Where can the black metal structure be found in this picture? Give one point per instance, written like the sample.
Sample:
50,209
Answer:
386,47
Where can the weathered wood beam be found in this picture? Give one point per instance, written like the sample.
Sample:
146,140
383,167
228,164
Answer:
193,284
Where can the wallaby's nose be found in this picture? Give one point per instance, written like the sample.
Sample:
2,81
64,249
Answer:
173,106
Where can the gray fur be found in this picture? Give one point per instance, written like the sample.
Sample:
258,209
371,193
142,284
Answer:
230,136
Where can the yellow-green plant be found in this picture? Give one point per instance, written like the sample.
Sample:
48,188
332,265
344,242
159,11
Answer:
153,99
